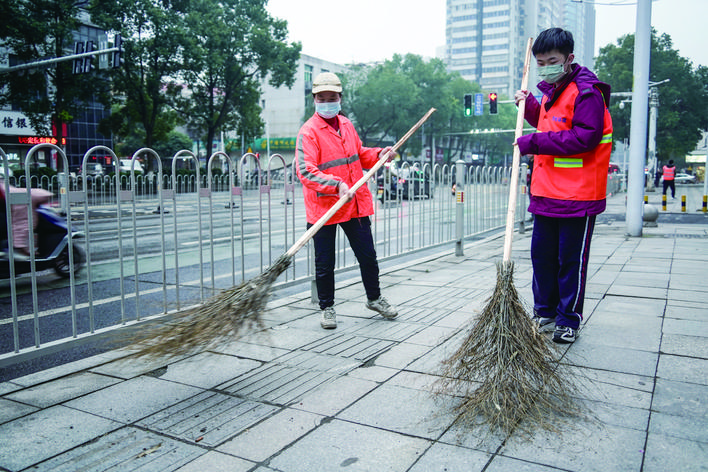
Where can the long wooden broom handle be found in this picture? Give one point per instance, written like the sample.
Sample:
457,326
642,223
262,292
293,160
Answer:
340,203
514,181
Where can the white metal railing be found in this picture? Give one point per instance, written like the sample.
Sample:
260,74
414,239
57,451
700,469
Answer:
163,240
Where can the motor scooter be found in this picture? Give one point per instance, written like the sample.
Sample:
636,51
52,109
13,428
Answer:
52,246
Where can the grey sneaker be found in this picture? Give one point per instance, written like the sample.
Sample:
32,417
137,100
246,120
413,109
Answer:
543,324
329,318
382,306
564,335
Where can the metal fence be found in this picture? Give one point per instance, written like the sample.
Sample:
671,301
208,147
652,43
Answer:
158,242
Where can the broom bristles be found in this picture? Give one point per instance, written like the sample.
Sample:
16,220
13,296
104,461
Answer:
217,320
520,384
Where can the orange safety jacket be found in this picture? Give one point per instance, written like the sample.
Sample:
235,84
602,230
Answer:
579,177
323,159
669,173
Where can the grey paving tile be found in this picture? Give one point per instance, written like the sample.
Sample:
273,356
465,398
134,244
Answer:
688,295
292,338
133,399
680,398
692,428
373,373
444,457
629,331
209,418
682,345
619,290
506,464
251,351
669,453
432,336
330,398
67,369
400,355
403,410
208,369
217,462
62,389
46,433
10,410
267,438
683,369
7,387
640,306
129,368
686,327
613,448
587,352
125,449
686,311
330,447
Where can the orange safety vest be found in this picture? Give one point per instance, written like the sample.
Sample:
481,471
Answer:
579,177
669,173
325,157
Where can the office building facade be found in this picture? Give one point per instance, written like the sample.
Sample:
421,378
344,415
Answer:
485,40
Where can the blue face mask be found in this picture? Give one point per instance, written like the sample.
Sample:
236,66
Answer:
328,110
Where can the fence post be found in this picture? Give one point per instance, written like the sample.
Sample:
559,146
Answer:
460,175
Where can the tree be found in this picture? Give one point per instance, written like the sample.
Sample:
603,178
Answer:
229,47
385,100
153,33
683,102
51,96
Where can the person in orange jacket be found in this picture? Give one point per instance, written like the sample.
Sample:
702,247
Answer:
329,160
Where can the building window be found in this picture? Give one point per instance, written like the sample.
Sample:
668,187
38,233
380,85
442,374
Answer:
308,74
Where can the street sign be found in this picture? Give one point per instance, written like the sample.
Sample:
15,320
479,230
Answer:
478,107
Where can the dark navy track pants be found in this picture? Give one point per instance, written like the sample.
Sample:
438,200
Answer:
560,248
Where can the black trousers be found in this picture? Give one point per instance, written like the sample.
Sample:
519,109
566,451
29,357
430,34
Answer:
358,231
672,185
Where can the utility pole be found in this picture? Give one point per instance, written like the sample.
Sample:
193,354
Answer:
638,137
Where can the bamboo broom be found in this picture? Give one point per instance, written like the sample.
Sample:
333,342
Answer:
504,368
234,310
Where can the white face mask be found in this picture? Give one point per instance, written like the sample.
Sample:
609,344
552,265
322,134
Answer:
328,110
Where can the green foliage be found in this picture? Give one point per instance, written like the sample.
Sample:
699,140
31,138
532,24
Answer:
218,85
35,30
683,102
385,100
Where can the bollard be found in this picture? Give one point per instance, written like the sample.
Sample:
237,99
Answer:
646,199
460,175
663,202
705,203
683,203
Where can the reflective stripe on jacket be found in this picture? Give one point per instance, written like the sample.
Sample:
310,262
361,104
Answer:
579,177
669,173
325,157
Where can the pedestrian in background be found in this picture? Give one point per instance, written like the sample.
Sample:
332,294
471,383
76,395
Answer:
669,178
571,157
330,159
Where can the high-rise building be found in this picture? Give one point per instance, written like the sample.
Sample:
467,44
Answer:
486,39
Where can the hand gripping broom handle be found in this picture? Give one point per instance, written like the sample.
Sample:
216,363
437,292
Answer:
340,203
514,180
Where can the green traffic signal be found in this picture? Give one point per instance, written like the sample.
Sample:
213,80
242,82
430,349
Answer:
468,104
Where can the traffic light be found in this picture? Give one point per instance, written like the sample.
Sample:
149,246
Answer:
493,103
118,55
468,104
79,63
88,61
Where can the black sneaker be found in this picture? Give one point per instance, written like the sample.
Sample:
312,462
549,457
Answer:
564,335
543,324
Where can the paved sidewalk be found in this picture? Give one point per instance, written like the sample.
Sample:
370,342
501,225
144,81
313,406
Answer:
296,398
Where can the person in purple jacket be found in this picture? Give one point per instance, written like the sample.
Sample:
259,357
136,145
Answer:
571,151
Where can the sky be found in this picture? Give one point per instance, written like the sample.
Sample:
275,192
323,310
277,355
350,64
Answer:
347,31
